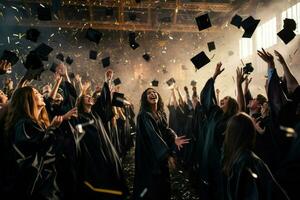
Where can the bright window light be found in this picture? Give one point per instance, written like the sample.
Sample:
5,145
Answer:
293,13
246,47
266,34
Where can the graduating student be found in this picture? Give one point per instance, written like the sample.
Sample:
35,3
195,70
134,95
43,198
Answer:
100,173
154,143
246,175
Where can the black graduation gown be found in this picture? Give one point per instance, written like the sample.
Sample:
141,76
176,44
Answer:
99,164
251,179
153,147
172,118
34,156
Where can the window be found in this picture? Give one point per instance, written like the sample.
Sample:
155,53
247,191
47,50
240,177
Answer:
245,47
266,35
293,13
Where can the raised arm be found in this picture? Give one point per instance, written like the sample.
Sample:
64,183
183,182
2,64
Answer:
180,96
58,80
240,78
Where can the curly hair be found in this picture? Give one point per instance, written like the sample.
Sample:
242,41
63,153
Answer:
145,106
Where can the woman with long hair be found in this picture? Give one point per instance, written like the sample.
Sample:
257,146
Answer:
153,152
32,137
100,172
246,175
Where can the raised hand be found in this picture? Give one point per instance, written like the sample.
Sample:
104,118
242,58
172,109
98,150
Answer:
248,80
72,113
180,141
56,122
279,57
240,76
218,70
267,57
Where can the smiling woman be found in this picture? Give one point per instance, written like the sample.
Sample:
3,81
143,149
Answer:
153,153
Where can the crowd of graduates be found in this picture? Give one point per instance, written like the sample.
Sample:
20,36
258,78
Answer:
68,142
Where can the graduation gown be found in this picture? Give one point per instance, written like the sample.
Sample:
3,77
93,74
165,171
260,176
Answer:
34,155
99,164
153,147
251,179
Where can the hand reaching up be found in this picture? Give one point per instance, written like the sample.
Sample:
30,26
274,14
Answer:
240,76
279,57
267,57
218,70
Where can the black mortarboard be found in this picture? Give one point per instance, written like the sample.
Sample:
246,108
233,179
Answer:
200,60
132,16
43,51
203,22
134,45
109,11
154,83
289,24
171,81
147,57
44,13
32,34
33,61
93,35
248,68
249,25
60,57
11,57
117,81
93,54
286,35
118,99
105,62
211,46
69,60
193,83
236,21
131,37
53,67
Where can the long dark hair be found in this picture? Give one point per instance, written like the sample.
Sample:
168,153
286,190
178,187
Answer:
145,106
239,137
233,108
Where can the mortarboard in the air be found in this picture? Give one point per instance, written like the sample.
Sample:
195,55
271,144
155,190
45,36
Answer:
131,37
211,46
193,83
43,51
117,81
33,61
93,54
249,25
287,33
146,57
44,13
105,62
60,57
93,35
32,34
171,81
118,99
11,57
200,60
248,68
203,22
154,83
236,21
134,45
69,60
132,16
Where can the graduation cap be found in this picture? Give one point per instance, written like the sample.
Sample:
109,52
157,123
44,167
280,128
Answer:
105,62
53,67
236,21
33,61
171,81
154,83
69,60
43,51
44,13
93,54
287,33
203,22
146,57
200,60
134,45
118,99
248,68
32,34
249,25
211,46
117,81
60,57
10,56
193,83
93,35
